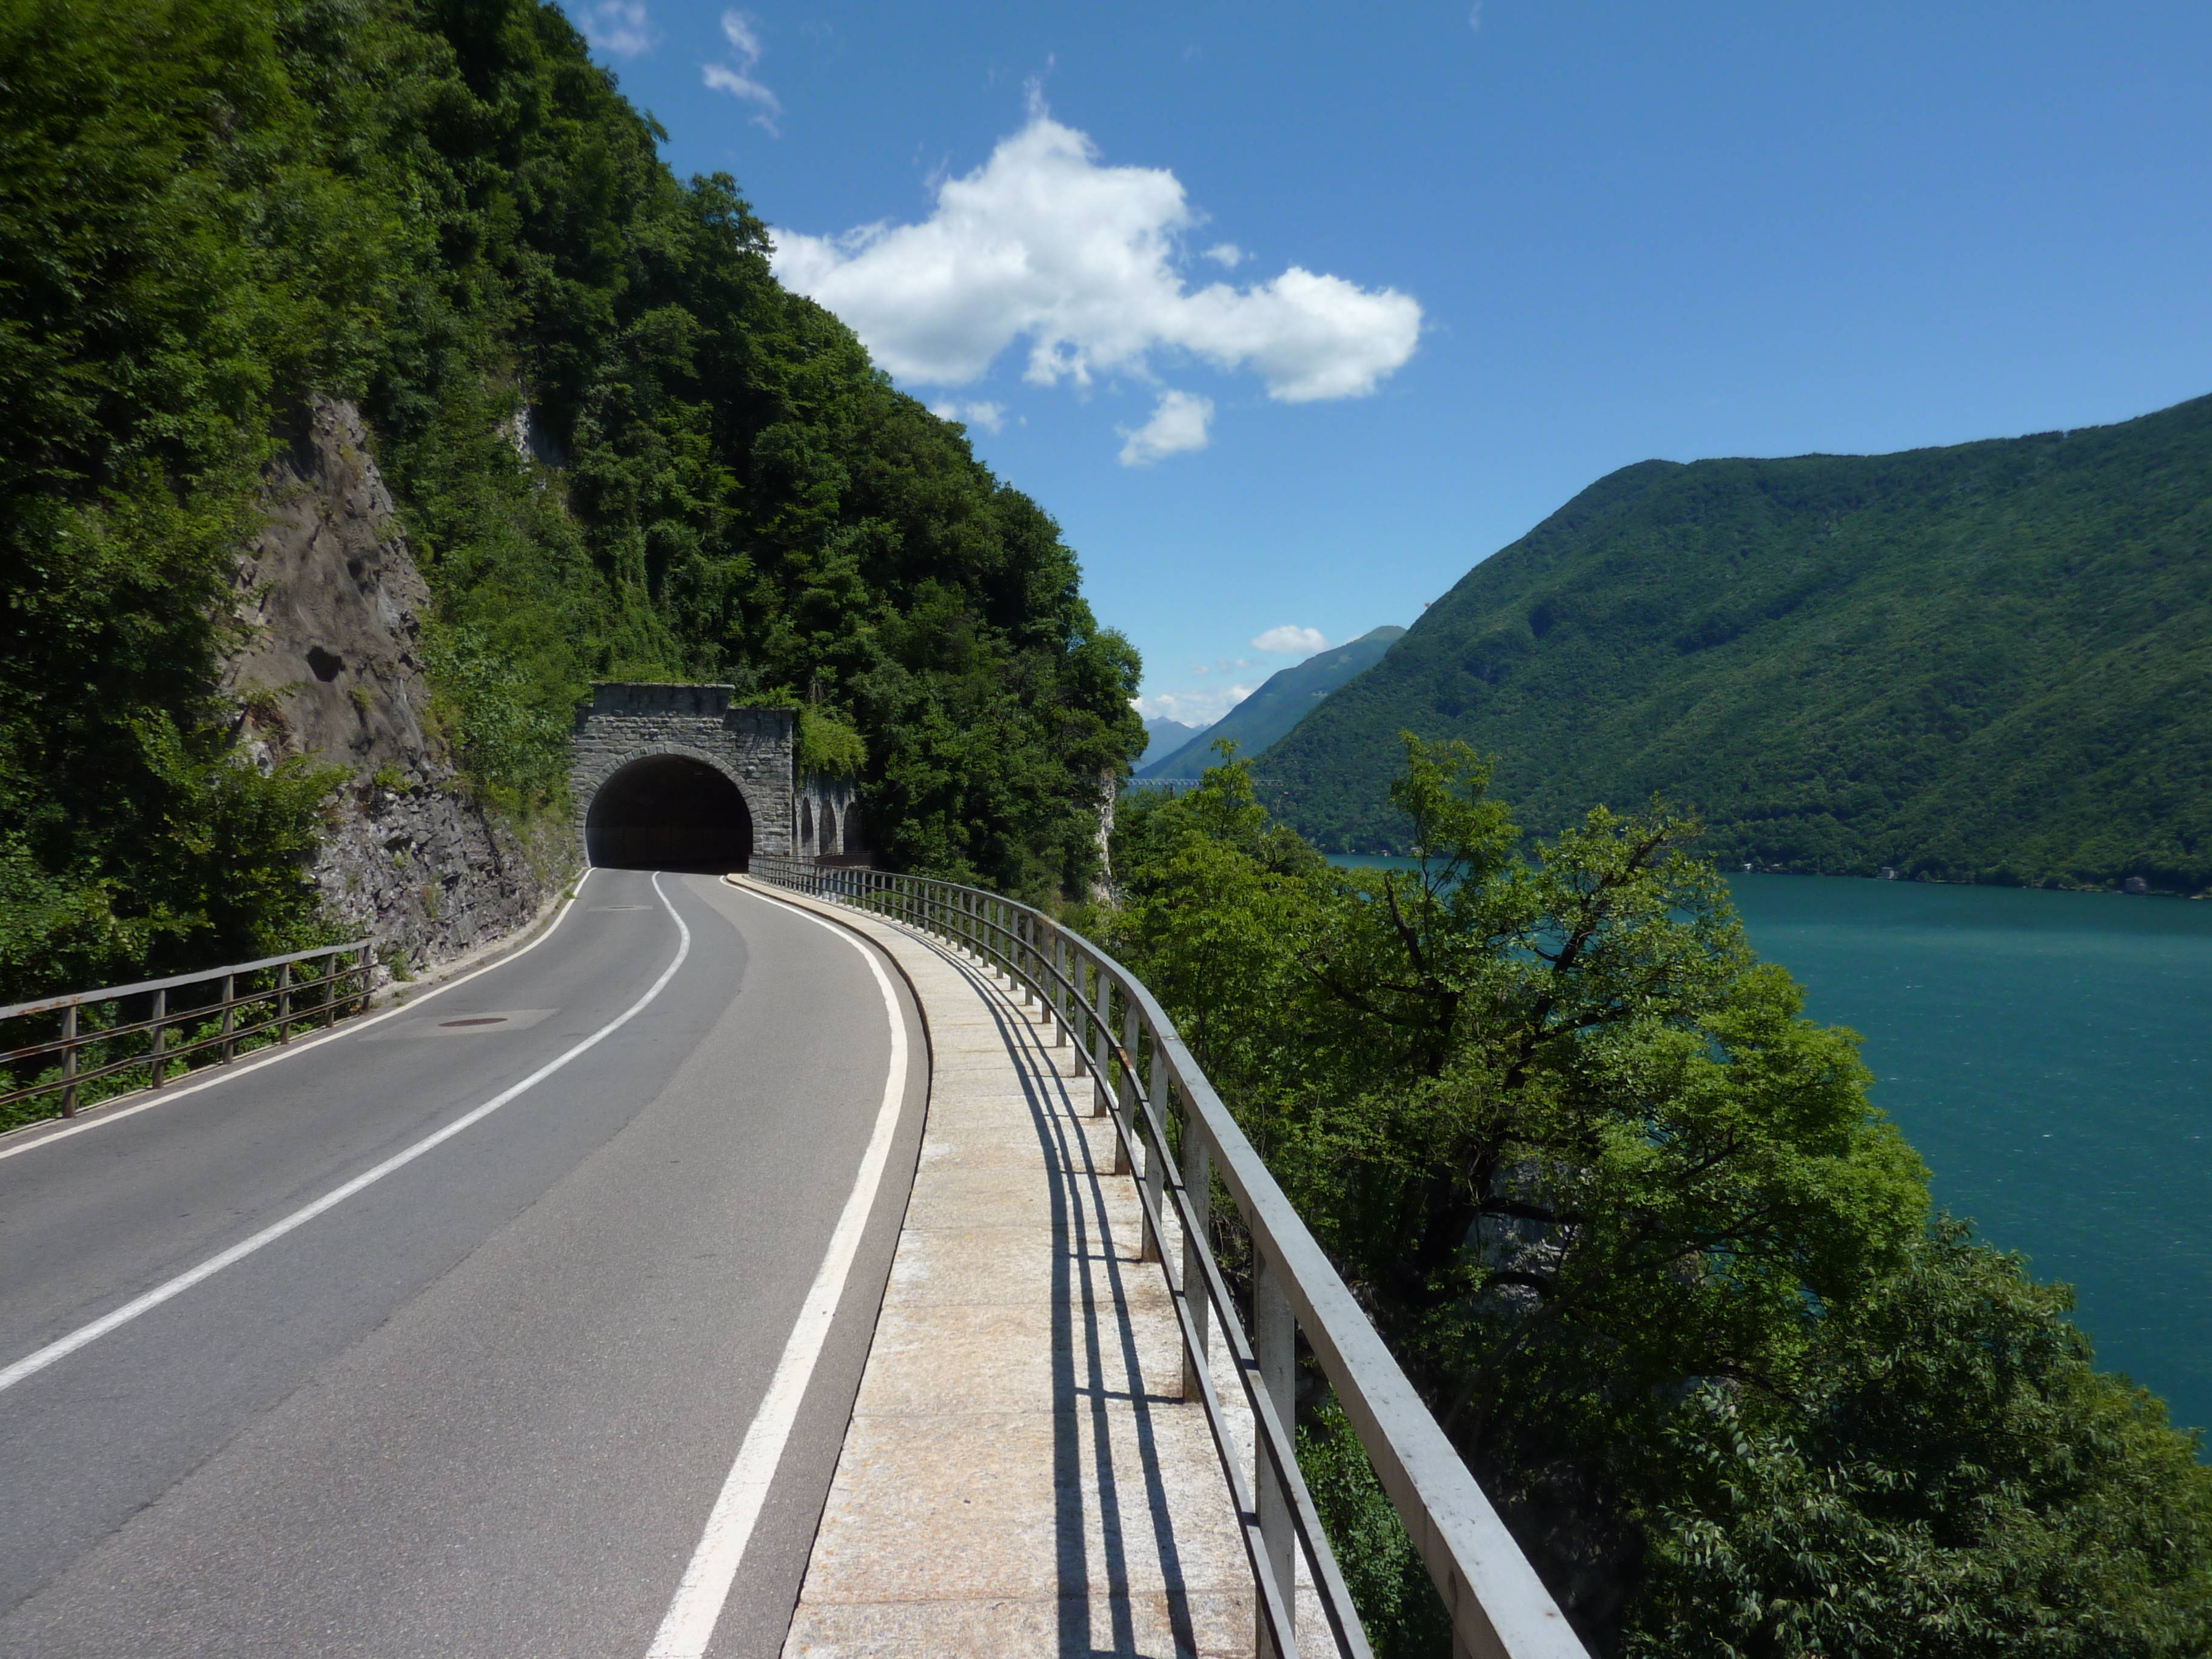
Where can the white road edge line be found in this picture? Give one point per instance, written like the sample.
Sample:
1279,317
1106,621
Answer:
690,1623
239,1068
31,1364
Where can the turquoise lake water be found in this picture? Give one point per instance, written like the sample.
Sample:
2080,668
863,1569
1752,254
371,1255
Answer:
2051,1055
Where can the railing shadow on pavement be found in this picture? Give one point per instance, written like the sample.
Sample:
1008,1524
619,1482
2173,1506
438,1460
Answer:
1172,1131
1094,1349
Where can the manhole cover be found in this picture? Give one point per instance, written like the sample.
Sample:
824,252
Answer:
494,1019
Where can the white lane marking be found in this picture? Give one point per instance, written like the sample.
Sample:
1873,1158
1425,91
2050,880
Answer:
350,1027
691,1617
31,1364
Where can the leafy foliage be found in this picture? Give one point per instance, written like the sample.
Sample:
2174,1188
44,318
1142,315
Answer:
1988,662
1669,1281
620,449
1389,1586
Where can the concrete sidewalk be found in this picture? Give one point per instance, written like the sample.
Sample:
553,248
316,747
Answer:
1021,1476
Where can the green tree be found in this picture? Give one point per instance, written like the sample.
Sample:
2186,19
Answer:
1628,1219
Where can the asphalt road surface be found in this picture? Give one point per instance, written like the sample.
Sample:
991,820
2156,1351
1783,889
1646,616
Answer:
485,1404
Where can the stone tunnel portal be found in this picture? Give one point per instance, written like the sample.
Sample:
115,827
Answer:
669,812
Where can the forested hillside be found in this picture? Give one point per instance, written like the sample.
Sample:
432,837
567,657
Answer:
1990,662
619,448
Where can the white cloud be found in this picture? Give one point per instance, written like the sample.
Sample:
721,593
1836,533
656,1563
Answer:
1178,423
739,83
1043,244
1200,707
738,29
990,417
619,26
1291,641
1227,255
1475,17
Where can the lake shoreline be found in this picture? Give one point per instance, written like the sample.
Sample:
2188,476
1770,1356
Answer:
1406,860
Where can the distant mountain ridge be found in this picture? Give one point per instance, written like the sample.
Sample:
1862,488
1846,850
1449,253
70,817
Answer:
1282,701
1164,736
1990,661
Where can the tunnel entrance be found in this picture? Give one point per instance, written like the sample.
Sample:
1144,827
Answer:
669,812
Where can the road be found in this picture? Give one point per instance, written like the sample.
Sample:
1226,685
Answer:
486,1403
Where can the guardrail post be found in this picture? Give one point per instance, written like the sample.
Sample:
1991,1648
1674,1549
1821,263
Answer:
1055,998
229,1017
1156,1154
283,1002
154,1053
1059,992
1198,1188
1274,1350
1099,1073
69,1060
1125,1090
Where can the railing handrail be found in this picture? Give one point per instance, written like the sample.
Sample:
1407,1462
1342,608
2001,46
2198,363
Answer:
1498,1606
85,999
320,991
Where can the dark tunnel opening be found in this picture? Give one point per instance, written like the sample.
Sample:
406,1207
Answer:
669,812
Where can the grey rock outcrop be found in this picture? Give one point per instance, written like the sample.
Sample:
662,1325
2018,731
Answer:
331,668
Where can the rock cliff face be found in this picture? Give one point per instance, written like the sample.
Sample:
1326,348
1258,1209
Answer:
331,669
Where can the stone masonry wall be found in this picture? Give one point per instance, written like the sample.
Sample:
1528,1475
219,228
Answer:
751,747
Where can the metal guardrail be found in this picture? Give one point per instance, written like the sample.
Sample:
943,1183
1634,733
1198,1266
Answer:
1145,1080
293,1000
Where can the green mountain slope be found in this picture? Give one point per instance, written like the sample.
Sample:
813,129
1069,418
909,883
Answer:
1163,737
1286,698
1988,662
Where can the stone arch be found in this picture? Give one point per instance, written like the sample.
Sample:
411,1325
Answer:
830,843
632,721
805,824
671,810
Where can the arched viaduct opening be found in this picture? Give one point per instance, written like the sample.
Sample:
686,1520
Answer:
669,812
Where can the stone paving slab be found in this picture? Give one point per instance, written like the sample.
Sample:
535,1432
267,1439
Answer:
1035,1510
1020,1475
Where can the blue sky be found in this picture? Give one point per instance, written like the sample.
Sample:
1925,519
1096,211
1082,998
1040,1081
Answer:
1290,314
